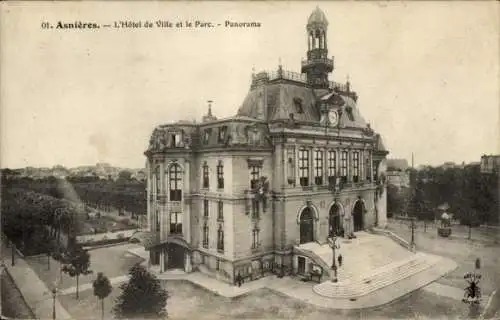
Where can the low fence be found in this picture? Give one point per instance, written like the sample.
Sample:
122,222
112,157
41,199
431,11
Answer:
100,237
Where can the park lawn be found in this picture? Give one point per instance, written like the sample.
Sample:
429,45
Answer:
113,261
188,301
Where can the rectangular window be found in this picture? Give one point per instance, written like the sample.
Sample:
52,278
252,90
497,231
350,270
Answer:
220,211
355,166
220,175
175,180
220,239
205,176
158,181
291,166
332,166
318,167
343,168
217,264
304,167
255,238
205,236
205,208
368,168
157,222
254,177
255,209
176,223
176,140
206,136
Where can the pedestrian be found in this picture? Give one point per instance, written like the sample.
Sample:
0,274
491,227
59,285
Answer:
238,279
340,260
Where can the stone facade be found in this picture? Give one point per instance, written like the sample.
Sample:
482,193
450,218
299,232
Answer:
297,164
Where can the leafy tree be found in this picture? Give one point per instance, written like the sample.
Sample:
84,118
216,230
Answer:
78,263
142,296
102,289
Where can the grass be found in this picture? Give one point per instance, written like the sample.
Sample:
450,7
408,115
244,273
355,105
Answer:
102,225
112,261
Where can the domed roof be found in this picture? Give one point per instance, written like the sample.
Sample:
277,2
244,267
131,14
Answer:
317,16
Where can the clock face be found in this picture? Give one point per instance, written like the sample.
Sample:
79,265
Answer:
333,118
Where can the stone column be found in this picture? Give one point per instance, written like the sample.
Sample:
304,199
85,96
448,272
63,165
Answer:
187,265
186,208
311,166
162,260
371,165
297,173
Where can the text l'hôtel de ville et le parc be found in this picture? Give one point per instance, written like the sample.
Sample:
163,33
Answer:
149,24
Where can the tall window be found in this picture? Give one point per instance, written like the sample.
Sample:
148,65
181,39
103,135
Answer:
176,223
157,220
158,180
205,208
332,166
220,239
220,211
255,237
206,136
205,176
343,168
205,236
175,179
304,167
255,209
255,176
220,175
318,167
355,166
368,168
291,166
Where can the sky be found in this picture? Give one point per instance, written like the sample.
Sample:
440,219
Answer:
427,74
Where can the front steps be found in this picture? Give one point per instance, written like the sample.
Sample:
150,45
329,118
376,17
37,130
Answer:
354,287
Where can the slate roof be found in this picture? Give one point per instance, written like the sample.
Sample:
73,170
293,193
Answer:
282,101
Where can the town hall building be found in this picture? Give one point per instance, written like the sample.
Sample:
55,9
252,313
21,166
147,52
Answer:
296,164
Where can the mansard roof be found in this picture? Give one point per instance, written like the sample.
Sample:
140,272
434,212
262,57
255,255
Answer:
276,100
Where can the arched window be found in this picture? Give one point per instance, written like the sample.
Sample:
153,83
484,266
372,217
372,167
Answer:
175,178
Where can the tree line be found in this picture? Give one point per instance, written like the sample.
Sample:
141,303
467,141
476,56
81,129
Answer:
472,196
106,195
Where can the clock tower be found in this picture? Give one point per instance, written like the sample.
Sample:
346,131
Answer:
317,65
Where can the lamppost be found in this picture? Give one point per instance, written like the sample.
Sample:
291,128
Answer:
332,242
54,290
412,226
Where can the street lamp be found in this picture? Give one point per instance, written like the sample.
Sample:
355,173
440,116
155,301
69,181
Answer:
332,242
55,289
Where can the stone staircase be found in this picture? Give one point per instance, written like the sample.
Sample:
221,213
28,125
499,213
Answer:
353,287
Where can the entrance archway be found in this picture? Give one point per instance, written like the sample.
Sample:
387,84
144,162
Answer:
306,225
358,215
334,226
176,255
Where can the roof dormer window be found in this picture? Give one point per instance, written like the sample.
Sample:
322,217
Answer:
206,136
298,105
222,134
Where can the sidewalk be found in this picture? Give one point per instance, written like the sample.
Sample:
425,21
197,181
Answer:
303,291
34,290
